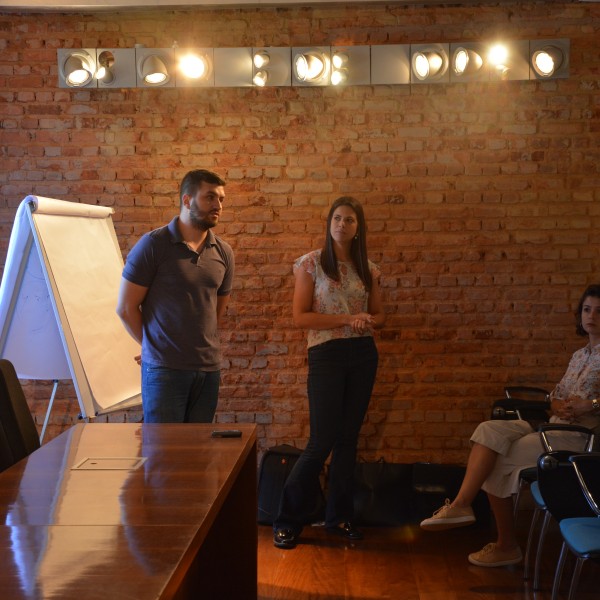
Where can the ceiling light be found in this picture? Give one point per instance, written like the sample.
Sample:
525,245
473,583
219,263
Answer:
116,67
549,59
77,71
498,55
260,78
339,60
546,61
429,64
350,65
106,61
261,59
339,73
509,61
154,71
193,66
311,66
77,67
155,67
271,67
339,76
466,62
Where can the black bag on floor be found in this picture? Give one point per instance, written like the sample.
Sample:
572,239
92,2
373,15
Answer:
382,493
275,466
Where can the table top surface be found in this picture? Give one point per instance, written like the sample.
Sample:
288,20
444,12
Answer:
124,499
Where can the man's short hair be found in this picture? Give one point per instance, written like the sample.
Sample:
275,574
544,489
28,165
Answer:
193,180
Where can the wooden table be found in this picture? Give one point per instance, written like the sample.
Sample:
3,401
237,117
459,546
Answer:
180,525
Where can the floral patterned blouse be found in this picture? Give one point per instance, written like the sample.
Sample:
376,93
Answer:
583,379
346,296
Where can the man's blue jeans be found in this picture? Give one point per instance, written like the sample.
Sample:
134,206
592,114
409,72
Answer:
341,375
174,396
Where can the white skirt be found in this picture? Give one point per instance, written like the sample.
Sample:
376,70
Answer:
518,447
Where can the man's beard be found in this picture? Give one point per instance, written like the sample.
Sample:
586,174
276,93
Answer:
198,219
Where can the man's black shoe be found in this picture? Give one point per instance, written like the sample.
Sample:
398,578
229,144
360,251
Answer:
285,538
346,530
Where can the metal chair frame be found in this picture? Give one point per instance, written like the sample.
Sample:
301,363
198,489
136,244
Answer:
540,504
587,524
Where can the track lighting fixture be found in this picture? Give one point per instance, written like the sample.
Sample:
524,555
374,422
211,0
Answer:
393,64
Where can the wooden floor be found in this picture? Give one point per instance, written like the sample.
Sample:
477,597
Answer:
406,563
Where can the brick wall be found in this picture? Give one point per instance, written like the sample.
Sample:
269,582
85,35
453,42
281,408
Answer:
482,199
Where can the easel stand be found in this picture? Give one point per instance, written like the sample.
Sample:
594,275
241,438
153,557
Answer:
49,410
58,296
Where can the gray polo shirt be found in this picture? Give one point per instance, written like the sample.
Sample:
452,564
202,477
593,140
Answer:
180,309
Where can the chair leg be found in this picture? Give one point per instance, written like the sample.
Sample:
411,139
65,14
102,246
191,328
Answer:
559,569
538,556
534,518
517,498
575,579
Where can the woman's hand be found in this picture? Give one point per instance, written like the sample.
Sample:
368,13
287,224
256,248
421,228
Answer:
561,408
572,407
579,406
361,322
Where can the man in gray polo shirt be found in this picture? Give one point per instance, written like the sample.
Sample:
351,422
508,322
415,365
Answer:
175,288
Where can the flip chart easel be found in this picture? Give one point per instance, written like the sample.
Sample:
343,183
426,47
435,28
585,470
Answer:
58,298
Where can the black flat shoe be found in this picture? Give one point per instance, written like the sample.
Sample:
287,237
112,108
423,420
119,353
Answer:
285,538
346,530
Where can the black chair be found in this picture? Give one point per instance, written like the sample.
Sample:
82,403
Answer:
553,473
18,433
524,402
528,403
581,535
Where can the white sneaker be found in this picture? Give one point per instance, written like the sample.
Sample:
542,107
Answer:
490,556
449,517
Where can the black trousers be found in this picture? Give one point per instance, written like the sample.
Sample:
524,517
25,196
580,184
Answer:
341,375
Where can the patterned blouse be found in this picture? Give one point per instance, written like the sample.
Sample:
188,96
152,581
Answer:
582,378
346,296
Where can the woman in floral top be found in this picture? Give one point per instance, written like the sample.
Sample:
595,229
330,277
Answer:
501,449
337,298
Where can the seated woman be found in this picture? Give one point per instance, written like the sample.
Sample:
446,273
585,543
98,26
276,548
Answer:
501,449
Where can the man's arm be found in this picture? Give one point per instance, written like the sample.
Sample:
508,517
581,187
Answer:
222,302
130,299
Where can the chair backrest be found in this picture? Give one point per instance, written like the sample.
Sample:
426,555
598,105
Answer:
587,436
587,469
559,486
527,392
18,433
523,402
